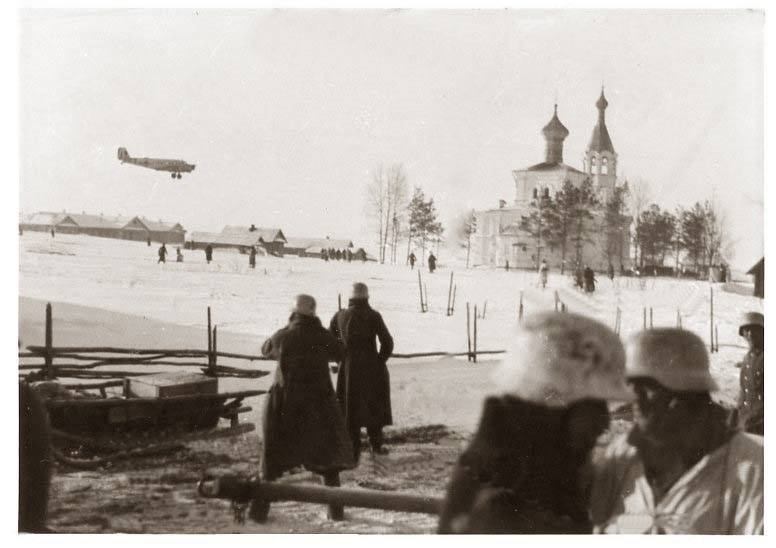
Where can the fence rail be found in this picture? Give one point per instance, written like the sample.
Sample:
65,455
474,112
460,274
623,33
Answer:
83,361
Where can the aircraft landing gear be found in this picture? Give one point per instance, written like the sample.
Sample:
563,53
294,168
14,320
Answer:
172,175
179,175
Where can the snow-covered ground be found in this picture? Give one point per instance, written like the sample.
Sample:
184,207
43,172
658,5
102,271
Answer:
123,276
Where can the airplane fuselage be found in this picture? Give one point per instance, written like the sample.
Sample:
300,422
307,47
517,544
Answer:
175,167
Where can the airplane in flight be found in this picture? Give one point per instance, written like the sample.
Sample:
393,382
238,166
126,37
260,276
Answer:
175,167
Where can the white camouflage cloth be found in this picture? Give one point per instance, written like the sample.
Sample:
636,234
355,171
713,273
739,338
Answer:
721,494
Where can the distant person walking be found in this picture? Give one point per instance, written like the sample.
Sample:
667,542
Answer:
149,241
412,260
252,257
579,277
431,263
178,255
610,272
363,383
162,254
543,268
589,280
751,405
303,425
208,253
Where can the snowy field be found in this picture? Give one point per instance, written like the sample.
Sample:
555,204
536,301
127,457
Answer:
124,277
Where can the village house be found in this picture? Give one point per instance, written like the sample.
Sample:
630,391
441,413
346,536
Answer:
242,238
104,226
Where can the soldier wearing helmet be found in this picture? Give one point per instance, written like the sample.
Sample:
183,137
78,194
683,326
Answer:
751,410
521,472
681,468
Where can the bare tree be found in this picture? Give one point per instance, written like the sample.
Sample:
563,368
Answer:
466,227
387,197
640,198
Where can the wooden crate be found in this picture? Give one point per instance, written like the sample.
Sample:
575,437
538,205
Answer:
166,385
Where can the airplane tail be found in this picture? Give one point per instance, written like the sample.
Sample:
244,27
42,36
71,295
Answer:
123,154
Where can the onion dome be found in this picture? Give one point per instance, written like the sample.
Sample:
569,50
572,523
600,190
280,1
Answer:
554,133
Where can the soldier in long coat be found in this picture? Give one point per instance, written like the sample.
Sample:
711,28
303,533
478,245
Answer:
363,384
303,425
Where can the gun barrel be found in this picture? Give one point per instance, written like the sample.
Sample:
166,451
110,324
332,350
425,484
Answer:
230,487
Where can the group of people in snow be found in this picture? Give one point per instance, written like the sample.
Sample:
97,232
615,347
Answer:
534,464
432,261
306,421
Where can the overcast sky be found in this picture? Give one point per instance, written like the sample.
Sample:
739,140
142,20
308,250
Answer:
286,113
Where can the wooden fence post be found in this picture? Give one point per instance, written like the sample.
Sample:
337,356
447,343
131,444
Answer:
475,334
520,310
711,316
556,300
215,351
645,317
468,335
650,317
452,307
450,294
49,356
420,290
209,341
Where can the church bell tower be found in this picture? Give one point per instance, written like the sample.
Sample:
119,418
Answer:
600,159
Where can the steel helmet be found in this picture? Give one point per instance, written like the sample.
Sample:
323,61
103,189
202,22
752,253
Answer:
675,358
751,318
556,359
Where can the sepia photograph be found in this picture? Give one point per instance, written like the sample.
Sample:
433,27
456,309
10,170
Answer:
388,270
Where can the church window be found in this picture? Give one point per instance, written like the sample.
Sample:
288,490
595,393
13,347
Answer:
592,164
525,249
605,164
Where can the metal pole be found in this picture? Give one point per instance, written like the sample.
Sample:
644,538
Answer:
339,301
650,317
452,307
645,317
425,293
484,308
520,310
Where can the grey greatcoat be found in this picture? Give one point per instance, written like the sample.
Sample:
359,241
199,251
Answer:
363,385
302,422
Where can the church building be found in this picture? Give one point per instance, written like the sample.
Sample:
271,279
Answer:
498,239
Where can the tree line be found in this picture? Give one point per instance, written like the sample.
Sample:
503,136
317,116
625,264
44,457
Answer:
574,214
399,216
